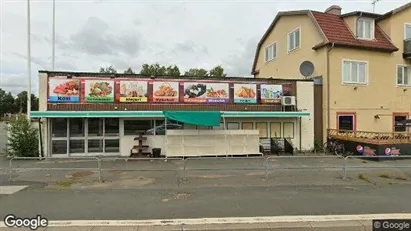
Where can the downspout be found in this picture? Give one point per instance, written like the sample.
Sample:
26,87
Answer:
328,88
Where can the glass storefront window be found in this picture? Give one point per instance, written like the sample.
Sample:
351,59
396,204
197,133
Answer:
111,146
76,127
134,127
95,127
247,125
233,125
262,127
95,146
59,147
275,129
76,146
288,128
111,126
59,127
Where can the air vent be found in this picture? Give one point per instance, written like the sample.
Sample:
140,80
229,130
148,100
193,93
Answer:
288,101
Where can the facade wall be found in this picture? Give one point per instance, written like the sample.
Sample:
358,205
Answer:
306,103
286,65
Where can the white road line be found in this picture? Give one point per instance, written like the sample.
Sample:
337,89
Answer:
10,189
229,220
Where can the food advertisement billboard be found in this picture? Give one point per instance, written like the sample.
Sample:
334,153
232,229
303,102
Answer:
271,93
99,91
165,92
245,93
206,92
132,91
64,90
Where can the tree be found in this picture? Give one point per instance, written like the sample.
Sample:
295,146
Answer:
21,102
7,104
129,71
217,71
109,69
198,72
159,70
23,138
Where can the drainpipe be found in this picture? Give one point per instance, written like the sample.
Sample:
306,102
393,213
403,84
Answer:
328,87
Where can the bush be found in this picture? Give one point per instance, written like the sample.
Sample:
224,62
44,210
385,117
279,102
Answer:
23,140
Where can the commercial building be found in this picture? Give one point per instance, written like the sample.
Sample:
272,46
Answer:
88,114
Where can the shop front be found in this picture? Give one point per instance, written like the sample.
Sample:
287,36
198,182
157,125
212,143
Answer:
90,114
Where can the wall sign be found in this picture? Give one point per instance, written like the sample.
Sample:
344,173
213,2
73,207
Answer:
206,92
245,93
271,93
165,92
99,91
64,90
133,91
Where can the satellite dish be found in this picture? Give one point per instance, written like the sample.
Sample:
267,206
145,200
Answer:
307,68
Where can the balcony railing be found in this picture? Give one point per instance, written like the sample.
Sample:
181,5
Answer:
407,49
371,137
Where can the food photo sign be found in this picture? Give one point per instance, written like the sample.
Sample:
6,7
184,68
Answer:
133,91
245,93
271,93
99,91
64,90
206,92
165,92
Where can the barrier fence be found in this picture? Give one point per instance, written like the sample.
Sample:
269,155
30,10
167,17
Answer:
185,165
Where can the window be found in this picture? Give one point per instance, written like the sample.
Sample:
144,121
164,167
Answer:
233,125
262,127
294,40
204,127
76,127
275,129
346,122
134,127
271,52
288,128
59,127
111,126
403,75
247,126
355,72
399,120
407,32
365,28
95,127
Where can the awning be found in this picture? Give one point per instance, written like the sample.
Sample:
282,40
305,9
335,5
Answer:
159,114
200,118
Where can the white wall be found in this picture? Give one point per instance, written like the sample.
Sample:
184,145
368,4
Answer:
305,102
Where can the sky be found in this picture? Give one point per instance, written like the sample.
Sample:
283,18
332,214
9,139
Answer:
129,33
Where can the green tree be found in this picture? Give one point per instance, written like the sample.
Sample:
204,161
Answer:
21,102
217,71
7,104
173,70
109,69
197,72
159,70
129,71
23,138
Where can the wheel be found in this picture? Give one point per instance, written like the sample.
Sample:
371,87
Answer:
339,150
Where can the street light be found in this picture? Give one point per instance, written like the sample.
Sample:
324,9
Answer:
28,62
53,55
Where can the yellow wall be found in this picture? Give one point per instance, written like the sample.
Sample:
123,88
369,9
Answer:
287,65
351,22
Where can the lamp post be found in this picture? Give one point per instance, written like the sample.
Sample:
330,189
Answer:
53,55
28,61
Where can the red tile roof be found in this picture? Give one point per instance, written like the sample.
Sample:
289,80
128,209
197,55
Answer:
337,31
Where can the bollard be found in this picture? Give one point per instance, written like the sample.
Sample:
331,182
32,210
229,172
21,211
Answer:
11,169
99,169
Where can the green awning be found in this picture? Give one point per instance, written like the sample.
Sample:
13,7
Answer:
200,118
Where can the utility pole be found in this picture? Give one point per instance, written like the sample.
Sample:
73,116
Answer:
53,55
28,62
373,5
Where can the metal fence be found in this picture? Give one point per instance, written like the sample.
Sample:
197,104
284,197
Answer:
267,165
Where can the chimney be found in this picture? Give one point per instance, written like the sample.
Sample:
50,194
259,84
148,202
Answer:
334,9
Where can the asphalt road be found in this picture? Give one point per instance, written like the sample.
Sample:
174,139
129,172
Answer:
239,201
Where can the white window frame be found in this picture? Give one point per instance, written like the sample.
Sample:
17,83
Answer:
406,25
288,40
355,61
404,67
372,29
274,51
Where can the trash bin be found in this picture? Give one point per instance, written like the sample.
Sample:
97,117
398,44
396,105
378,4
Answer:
156,152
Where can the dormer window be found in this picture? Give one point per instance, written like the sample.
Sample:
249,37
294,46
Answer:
365,28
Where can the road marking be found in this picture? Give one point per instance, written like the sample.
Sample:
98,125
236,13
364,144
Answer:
229,220
10,189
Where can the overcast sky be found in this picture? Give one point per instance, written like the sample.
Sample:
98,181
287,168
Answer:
128,33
